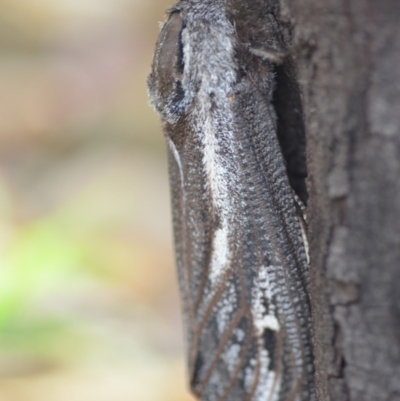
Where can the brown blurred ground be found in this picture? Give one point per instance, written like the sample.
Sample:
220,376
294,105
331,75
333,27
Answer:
88,296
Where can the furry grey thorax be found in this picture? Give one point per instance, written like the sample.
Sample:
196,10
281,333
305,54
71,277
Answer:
239,244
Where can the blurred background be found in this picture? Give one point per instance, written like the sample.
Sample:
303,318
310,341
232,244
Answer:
89,306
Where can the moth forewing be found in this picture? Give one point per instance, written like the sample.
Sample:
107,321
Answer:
239,247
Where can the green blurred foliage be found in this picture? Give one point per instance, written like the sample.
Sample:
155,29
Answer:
89,305
38,256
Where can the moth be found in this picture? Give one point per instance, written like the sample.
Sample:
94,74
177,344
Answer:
239,233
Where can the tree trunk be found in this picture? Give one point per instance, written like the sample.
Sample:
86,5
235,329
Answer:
345,56
350,84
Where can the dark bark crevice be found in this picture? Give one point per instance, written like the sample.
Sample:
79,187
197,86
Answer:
290,126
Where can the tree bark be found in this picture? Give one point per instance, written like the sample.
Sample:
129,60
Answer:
345,57
350,84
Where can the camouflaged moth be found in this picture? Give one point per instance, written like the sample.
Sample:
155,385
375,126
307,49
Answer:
239,236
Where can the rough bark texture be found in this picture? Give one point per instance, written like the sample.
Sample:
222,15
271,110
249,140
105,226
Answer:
346,59
350,79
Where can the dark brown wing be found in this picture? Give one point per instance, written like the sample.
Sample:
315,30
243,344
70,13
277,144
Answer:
249,331
239,248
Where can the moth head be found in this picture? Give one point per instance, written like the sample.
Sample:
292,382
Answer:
166,90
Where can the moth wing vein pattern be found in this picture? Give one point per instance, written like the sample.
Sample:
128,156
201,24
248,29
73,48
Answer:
240,235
